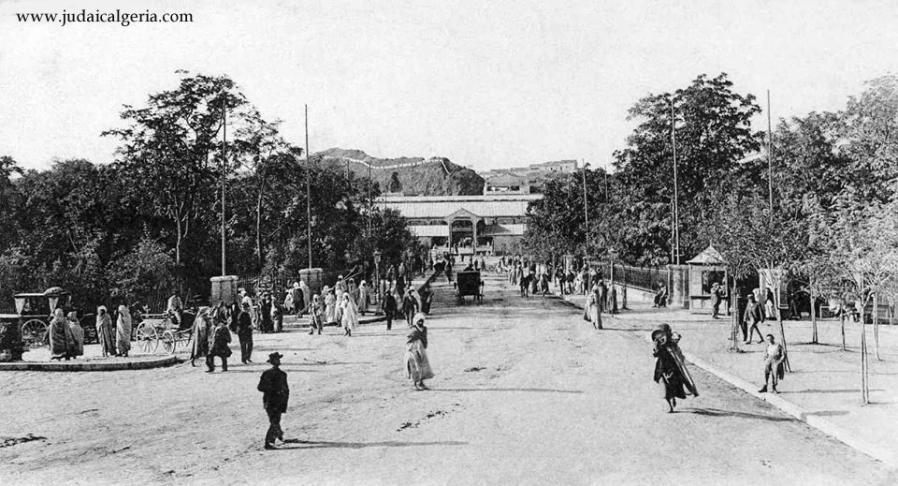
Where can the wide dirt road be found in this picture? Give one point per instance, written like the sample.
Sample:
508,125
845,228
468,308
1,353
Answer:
526,393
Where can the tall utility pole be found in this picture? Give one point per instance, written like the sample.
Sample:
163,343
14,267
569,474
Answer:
769,157
308,192
370,200
224,164
676,209
585,211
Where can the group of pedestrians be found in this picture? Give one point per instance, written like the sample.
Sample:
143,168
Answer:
530,276
212,330
274,383
66,336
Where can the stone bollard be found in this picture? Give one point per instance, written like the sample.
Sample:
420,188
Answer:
11,346
224,290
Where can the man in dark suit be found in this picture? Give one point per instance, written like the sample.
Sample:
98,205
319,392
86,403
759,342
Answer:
275,394
390,307
245,334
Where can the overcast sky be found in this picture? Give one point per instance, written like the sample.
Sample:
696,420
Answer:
487,84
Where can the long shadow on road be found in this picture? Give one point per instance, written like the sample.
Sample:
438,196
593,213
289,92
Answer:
316,444
716,412
526,390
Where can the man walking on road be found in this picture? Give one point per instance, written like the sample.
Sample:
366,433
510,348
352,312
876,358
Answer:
276,393
409,307
752,317
390,307
773,364
218,344
245,334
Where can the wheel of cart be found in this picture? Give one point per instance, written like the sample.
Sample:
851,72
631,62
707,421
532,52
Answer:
35,333
169,341
147,337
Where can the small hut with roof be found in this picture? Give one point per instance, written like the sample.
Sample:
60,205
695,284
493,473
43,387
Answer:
706,269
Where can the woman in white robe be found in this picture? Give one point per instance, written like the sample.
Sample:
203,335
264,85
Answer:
593,310
330,306
338,298
363,297
416,363
350,317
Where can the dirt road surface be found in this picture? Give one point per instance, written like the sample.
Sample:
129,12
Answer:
526,392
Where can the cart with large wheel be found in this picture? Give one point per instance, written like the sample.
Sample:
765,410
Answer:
468,283
34,311
164,330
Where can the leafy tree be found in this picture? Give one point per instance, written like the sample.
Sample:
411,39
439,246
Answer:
146,272
9,198
752,240
170,148
869,138
261,147
809,175
555,223
389,234
712,126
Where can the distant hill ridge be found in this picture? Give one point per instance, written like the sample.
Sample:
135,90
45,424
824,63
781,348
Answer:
435,176
359,157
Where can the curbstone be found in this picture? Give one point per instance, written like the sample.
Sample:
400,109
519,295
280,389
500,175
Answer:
90,365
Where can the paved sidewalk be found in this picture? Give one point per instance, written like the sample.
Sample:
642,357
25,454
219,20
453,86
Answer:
824,386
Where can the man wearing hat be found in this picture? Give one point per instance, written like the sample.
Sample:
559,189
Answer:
275,394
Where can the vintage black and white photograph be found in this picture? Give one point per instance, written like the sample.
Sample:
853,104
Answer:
458,242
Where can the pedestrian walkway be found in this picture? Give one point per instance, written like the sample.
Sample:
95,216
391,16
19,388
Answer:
824,386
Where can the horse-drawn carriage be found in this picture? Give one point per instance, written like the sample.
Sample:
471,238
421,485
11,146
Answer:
164,329
468,283
34,311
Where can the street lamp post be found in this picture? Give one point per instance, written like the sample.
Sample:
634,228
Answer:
612,253
585,213
377,255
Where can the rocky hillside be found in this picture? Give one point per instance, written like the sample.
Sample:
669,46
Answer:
435,176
